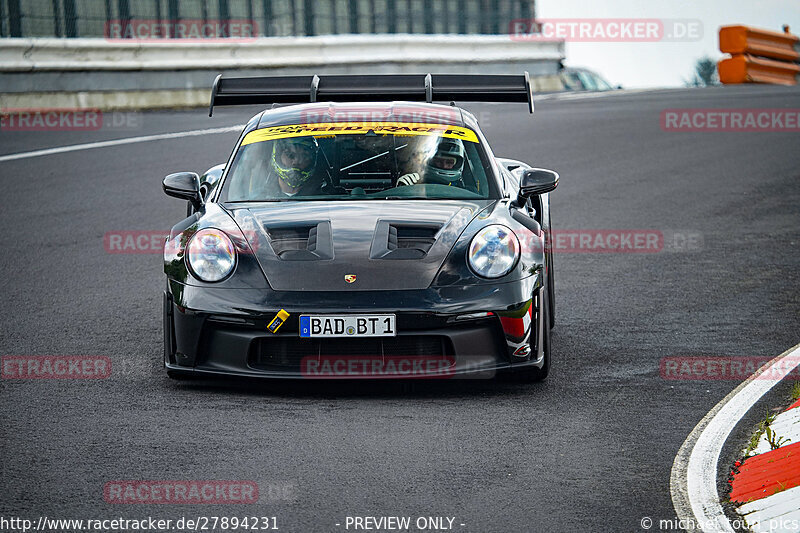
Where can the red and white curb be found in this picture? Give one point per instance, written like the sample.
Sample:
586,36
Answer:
693,481
769,481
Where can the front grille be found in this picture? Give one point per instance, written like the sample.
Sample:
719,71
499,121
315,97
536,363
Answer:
286,353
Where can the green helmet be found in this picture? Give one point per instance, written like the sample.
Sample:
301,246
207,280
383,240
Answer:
294,176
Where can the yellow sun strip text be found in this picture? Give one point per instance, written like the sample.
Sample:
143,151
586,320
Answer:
351,128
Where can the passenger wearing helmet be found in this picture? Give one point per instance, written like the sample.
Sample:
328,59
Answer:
444,165
294,168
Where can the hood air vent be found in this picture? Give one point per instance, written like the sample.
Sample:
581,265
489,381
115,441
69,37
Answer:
403,240
302,243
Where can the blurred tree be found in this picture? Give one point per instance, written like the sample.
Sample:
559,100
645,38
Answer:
705,73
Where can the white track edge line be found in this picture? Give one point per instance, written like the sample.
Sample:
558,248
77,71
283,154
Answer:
116,142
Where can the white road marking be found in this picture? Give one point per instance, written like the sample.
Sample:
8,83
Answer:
117,142
578,95
211,131
693,481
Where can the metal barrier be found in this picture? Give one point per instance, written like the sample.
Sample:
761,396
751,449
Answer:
271,18
759,56
93,73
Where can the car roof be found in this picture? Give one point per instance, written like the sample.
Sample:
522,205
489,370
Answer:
323,112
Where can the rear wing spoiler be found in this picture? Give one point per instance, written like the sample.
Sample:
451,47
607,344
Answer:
372,88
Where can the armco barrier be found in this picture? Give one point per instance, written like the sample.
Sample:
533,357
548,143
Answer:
764,43
122,75
746,69
759,56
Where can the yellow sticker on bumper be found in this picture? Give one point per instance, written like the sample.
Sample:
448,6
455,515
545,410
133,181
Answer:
277,321
359,128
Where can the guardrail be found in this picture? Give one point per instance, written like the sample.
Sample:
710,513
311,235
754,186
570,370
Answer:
108,75
759,56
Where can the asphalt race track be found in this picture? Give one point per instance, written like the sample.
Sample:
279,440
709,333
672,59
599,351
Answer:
588,450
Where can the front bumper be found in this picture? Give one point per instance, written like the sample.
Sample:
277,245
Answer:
224,331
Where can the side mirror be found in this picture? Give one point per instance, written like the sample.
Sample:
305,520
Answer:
537,181
184,185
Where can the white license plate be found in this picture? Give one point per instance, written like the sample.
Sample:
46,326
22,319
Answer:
347,326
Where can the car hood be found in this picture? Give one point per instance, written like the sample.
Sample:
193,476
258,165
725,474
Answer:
354,245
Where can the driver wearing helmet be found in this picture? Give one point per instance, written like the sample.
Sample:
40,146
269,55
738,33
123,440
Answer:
444,166
294,168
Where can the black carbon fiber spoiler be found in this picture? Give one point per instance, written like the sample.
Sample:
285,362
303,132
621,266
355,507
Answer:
375,88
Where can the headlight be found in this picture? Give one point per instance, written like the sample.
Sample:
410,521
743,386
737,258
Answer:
210,255
493,252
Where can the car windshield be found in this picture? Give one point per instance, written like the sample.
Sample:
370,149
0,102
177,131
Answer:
343,161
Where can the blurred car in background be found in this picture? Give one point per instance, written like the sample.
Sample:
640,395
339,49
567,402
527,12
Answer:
583,79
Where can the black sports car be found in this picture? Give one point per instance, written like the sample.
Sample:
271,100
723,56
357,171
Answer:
361,234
